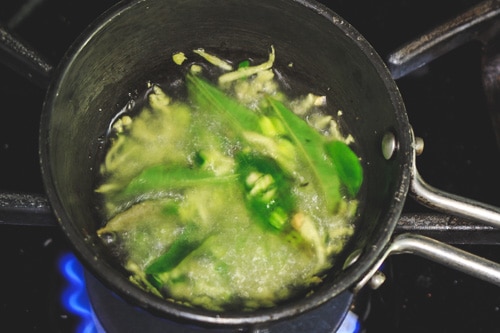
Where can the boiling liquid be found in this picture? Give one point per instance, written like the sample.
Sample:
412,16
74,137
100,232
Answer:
226,260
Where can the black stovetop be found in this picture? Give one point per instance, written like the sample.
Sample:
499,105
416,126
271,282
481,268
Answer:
446,107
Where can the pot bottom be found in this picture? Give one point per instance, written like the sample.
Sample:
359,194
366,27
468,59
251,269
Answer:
116,315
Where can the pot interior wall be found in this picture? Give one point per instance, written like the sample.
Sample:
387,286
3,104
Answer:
117,58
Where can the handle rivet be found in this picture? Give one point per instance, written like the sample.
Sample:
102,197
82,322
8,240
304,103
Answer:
389,145
419,146
377,280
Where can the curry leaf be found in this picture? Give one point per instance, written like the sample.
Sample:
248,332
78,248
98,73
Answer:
211,99
347,164
164,178
310,145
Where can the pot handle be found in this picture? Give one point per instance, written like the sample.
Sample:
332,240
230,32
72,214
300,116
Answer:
441,253
450,203
436,199
447,255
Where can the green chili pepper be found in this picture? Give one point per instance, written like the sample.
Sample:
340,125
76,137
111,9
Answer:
309,144
244,63
186,243
268,191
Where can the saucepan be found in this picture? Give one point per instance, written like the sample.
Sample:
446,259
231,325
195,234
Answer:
128,46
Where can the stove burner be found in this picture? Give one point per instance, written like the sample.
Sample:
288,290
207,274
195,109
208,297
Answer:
93,304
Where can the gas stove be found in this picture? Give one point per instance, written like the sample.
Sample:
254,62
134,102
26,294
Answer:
43,286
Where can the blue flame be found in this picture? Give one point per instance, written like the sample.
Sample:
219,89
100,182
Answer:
350,324
74,297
